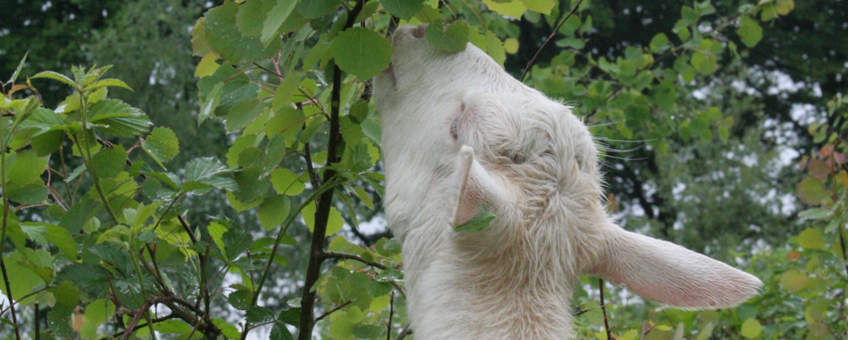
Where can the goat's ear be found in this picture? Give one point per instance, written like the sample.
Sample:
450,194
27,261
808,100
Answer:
479,193
665,272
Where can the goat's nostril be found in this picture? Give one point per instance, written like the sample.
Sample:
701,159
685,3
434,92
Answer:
418,32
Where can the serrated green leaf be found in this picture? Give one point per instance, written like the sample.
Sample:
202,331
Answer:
259,315
108,83
251,184
224,37
18,69
162,145
108,162
280,332
58,77
362,52
117,118
454,38
240,299
26,168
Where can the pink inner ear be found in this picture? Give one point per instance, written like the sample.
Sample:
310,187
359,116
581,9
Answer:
471,204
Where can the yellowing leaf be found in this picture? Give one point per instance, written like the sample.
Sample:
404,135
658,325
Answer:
511,45
511,9
541,6
207,65
334,222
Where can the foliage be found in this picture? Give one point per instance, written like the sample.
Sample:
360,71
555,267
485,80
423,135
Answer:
287,81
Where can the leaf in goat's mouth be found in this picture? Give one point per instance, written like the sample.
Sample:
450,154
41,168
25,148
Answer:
476,225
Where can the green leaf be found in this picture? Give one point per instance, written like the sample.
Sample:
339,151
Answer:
659,43
280,332
751,328
704,63
18,70
749,31
108,162
334,222
242,114
513,9
351,131
811,191
162,145
403,9
785,6
286,182
367,331
21,279
117,118
283,96
541,6
207,108
475,225
452,39
224,37
62,239
316,8
259,315
250,16
252,184
275,18
815,214
236,242
59,77
26,168
362,52
240,299
107,83
273,211
811,238
30,193
203,168
793,280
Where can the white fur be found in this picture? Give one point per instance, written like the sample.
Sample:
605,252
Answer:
533,164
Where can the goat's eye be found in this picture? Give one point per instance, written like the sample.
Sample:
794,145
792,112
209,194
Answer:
518,158
453,127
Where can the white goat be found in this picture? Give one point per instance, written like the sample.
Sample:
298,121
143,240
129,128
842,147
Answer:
461,139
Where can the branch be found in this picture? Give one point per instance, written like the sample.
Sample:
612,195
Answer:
345,256
322,211
553,34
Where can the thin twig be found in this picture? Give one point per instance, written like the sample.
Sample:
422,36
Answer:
335,255
553,34
404,332
343,305
604,306
391,313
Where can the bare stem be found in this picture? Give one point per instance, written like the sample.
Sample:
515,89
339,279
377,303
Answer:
553,34
604,307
